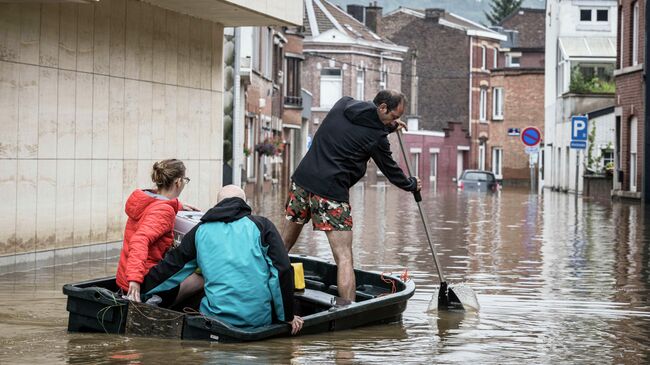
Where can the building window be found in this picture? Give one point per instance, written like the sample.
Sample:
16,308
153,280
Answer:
331,85
497,162
433,171
602,15
250,153
292,84
635,33
483,57
513,59
588,15
633,153
483,105
383,77
415,163
608,157
278,58
495,63
481,156
497,103
361,80
266,52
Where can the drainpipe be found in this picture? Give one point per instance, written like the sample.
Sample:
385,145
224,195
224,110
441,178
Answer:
646,114
237,122
471,55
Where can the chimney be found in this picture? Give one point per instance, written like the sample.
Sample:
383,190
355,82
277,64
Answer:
373,17
357,12
434,14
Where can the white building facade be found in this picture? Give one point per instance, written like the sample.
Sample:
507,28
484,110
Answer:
580,60
93,93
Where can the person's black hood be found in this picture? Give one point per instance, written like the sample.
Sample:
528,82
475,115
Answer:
227,210
363,113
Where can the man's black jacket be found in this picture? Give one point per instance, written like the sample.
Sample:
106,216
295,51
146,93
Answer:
349,136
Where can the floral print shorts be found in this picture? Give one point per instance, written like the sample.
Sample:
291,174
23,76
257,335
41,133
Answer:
326,214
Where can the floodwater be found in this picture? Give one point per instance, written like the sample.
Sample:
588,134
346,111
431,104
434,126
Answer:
558,280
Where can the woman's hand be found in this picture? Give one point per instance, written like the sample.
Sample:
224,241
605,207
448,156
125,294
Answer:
134,291
296,324
190,207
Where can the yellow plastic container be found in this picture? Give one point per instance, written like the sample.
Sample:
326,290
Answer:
298,276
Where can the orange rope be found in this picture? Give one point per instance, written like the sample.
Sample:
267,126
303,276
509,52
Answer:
390,281
404,276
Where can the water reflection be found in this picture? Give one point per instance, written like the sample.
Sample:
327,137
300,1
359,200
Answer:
558,279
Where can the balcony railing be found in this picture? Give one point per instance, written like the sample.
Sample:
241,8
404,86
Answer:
293,100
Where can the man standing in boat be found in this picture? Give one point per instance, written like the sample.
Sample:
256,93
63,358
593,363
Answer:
352,133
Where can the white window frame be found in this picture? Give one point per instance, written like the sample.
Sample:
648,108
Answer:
497,103
593,24
383,77
635,33
415,162
633,154
509,62
361,81
495,58
483,58
250,159
481,156
497,162
433,166
482,105
331,79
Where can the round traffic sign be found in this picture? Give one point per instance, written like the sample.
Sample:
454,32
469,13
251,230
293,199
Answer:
531,136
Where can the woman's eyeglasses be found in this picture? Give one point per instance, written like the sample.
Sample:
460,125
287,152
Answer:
186,179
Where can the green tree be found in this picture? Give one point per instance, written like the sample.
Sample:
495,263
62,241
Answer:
499,9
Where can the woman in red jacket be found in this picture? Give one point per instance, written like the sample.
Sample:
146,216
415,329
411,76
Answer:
149,229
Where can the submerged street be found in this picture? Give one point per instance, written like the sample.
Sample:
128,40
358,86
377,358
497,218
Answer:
557,280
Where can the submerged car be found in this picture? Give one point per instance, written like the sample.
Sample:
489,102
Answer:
478,180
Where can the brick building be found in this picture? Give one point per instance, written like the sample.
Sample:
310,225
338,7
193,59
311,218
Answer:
343,56
271,74
517,98
630,106
446,72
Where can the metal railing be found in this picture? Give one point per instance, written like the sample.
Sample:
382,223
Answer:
293,100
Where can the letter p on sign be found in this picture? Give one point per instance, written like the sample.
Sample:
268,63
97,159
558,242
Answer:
579,129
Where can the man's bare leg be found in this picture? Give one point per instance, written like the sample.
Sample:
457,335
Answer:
290,233
341,244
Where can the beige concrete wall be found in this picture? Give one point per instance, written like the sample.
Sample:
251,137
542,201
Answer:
90,97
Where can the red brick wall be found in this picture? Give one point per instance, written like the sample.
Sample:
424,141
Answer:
625,13
442,66
523,107
455,136
630,91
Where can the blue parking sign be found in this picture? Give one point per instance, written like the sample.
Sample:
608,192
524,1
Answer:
579,132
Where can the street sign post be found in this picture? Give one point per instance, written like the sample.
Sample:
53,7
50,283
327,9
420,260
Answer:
531,137
579,134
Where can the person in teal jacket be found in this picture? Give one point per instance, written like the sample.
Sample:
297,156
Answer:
245,266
